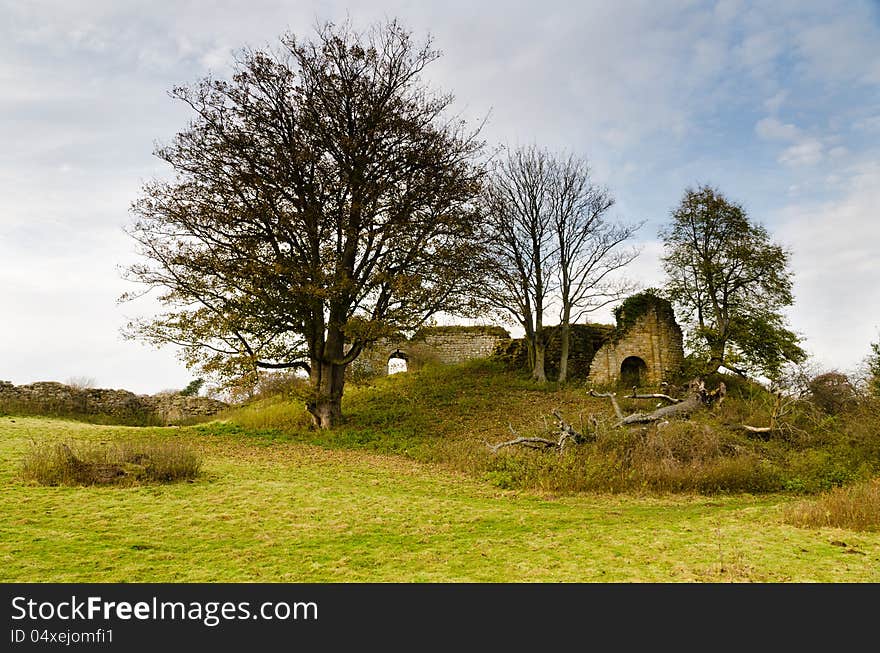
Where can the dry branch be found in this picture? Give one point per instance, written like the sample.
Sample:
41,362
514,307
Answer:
698,397
567,433
532,443
613,398
671,400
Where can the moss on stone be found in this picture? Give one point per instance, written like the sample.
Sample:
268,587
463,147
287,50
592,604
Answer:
478,330
584,342
634,307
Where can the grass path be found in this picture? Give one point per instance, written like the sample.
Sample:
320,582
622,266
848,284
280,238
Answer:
291,512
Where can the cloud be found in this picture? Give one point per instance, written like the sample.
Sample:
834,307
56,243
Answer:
836,268
658,96
772,104
805,153
772,129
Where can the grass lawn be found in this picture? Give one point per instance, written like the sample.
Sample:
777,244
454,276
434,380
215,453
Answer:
292,512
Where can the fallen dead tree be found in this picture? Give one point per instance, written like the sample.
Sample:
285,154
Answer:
566,435
698,397
783,405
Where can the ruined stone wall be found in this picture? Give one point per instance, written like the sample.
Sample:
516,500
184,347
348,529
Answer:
49,397
652,338
445,345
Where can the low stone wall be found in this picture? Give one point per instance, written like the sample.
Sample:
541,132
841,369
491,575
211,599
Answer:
446,345
54,398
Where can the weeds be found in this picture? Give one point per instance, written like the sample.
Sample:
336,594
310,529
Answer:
121,463
855,508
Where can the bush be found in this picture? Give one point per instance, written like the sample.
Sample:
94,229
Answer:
123,463
193,388
856,508
832,392
81,382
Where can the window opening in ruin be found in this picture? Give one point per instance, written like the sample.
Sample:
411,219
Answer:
397,362
633,372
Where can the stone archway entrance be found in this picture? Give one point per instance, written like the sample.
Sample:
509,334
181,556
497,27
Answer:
398,362
633,372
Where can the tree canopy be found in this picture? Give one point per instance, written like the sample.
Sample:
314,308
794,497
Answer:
321,198
730,283
874,369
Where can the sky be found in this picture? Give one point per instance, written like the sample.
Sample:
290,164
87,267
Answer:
777,104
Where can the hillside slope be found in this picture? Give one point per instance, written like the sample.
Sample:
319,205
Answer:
447,414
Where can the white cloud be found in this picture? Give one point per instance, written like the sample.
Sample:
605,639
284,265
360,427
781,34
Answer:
773,129
656,95
773,103
836,268
805,153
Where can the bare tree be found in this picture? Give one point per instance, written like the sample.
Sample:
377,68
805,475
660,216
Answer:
588,247
551,244
522,249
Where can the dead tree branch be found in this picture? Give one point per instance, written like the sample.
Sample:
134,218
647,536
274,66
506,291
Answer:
698,397
783,405
613,398
567,433
671,400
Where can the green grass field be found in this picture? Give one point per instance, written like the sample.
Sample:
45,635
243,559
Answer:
286,511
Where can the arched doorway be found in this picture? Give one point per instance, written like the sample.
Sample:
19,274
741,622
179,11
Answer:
397,362
633,372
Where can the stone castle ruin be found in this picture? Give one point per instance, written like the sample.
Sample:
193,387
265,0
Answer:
52,398
441,344
644,348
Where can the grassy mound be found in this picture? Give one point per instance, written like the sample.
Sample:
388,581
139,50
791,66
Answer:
446,414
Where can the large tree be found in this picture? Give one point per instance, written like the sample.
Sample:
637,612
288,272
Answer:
522,254
588,247
731,283
322,198
874,369
550,244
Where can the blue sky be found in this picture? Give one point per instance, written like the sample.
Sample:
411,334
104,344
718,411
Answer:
776,103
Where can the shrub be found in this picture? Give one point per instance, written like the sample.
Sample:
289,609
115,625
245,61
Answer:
193,388
832,392
856,507
123,463
81,382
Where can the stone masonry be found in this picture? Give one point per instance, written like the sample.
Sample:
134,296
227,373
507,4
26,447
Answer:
432,344
650,350
57,398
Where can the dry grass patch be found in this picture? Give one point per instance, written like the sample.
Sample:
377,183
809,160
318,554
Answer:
125,462
855,508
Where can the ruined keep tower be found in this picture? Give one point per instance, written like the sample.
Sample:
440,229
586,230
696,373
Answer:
644,349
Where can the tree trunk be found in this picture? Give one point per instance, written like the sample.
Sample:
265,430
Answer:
538,373
565,335
328,383
530,351
716,359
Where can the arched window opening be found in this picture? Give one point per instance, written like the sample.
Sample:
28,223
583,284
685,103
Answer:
397,362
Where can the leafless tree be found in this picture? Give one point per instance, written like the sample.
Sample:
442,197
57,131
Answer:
522,248
588,247
551,244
